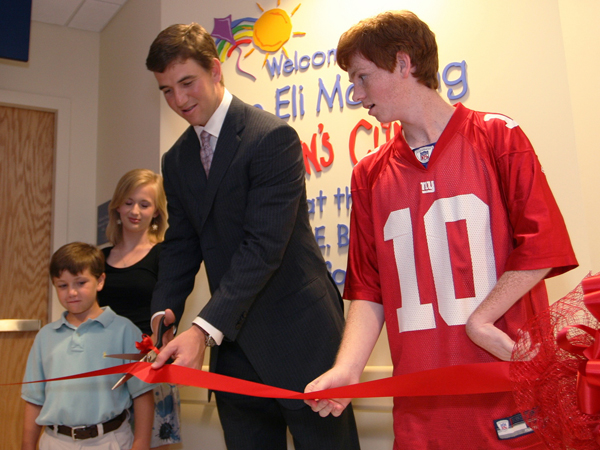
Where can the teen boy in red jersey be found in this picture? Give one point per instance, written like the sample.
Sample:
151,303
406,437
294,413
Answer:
453,229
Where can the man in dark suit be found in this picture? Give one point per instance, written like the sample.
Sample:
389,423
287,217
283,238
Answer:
237,202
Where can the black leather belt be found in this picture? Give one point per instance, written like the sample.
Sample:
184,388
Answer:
91,431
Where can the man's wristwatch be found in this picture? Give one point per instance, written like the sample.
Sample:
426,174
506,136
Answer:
208,339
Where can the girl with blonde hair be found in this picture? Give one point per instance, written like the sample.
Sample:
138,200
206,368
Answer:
136,228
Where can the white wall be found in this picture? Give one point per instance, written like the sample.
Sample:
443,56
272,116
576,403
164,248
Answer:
129,111
580,39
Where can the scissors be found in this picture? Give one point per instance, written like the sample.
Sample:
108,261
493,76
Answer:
146,357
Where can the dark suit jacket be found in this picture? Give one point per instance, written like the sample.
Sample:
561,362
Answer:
248,223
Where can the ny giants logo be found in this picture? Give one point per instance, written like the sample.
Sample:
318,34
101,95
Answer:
427,187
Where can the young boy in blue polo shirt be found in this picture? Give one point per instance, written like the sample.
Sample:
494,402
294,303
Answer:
83,413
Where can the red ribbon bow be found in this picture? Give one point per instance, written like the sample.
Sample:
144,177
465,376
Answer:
146,345
588,376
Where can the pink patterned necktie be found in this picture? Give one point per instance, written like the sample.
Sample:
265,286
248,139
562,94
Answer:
206,152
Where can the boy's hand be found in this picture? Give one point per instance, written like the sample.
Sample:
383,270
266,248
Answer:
490,338
330,379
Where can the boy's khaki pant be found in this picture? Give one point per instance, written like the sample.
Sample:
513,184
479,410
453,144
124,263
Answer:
120,439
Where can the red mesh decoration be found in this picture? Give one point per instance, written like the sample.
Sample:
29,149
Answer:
544,375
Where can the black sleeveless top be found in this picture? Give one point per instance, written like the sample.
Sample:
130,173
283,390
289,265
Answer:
128,291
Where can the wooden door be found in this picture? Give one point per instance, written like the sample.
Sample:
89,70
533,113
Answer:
26,171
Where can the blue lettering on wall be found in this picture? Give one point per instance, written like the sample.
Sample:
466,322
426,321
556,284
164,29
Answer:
276,67
349,93
302,63
331,54
320,200
320,237
461,79
339,276
343,239
279,102
348,198
297,101
339,198
337,90
318,59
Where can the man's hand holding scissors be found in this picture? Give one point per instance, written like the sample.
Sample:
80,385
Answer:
151,355
187,349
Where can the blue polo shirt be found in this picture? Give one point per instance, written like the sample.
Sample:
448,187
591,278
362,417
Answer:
61,349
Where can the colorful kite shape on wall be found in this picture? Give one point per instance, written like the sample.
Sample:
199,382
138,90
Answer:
268,33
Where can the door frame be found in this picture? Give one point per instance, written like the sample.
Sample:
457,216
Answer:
60,182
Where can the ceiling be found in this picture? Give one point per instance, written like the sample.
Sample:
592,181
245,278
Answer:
90,15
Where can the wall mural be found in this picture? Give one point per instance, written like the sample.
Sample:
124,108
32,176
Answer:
238,39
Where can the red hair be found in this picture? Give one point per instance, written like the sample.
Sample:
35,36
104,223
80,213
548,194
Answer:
380,38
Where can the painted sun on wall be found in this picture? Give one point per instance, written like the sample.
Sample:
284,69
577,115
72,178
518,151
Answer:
268,33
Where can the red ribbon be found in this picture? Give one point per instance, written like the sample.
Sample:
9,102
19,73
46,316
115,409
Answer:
146,345
453,380
588,376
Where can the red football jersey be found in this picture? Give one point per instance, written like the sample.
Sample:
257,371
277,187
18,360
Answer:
430,243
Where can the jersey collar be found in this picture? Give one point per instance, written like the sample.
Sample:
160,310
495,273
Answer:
403,149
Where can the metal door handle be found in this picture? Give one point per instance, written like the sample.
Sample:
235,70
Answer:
7,325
